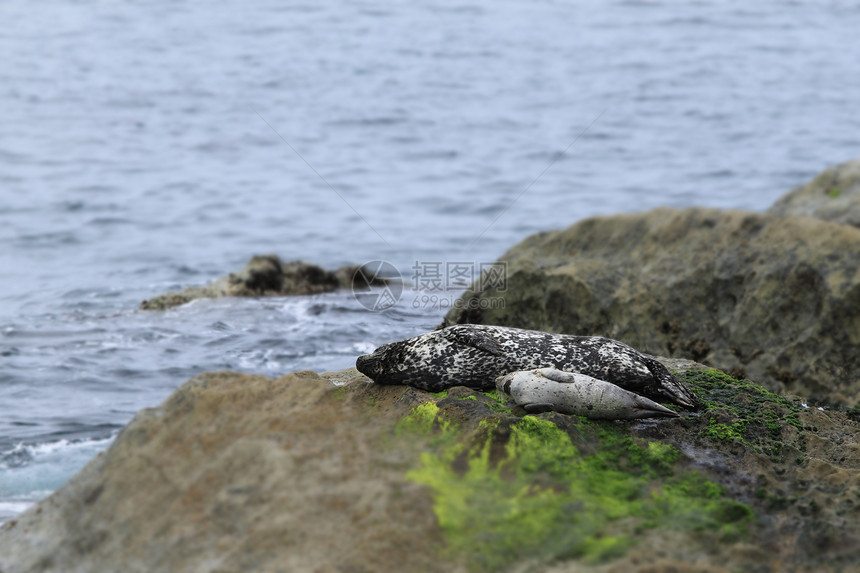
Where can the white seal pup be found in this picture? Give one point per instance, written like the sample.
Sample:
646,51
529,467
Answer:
474,355
548,389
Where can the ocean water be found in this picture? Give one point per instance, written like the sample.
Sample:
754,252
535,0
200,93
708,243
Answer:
149,146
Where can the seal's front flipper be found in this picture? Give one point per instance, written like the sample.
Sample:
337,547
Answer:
558,375
475,339
537,408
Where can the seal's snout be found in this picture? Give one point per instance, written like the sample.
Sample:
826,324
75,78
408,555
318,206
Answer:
368,364
500,383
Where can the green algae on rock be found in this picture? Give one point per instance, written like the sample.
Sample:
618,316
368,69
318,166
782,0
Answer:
521,490
264,275
796,465
743,411
674,488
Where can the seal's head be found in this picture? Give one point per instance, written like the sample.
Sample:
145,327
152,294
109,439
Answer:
371,365
394,363
503,383
459,355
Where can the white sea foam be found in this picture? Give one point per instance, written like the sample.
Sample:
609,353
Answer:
12,508
363,347
29,473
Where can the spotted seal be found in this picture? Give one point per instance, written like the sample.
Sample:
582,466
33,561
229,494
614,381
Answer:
474,355
548,389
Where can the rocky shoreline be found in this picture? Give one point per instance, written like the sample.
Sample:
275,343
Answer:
331,472
239,472
265,275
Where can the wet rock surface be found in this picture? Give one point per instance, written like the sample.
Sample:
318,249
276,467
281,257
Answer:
773,298
239,472
264,275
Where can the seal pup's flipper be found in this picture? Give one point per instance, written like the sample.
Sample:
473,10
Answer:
557,375
646,408
473,338
537,408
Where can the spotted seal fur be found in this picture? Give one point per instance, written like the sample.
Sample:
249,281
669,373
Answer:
475,355
548,389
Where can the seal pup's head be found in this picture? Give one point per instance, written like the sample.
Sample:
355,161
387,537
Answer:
504,382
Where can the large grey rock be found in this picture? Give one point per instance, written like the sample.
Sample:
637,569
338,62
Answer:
235,473
833,195
773,298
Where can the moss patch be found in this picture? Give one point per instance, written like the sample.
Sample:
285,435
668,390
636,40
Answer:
742,412
499,401
522,489
421,420
725,432
339,393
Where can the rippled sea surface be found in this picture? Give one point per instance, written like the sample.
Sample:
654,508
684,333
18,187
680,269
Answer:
149,146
